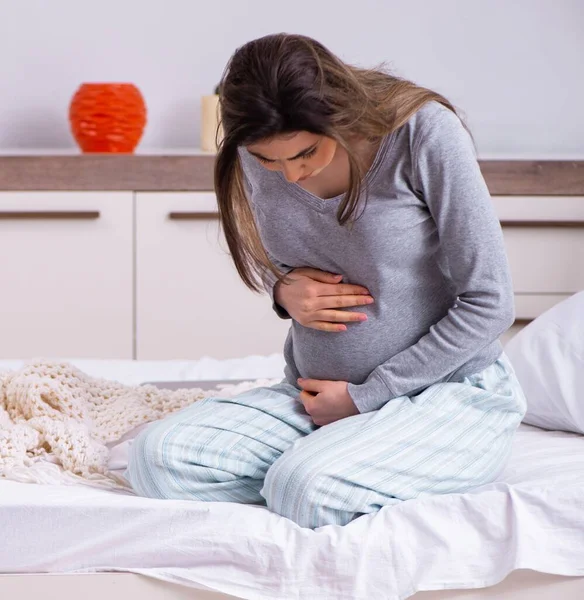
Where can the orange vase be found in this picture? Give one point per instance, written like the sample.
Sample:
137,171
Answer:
107,117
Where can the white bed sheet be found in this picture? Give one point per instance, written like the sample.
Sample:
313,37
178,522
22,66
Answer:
533,518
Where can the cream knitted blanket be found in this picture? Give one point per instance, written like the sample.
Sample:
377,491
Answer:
57,424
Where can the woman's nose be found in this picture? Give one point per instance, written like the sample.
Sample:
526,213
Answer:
292,173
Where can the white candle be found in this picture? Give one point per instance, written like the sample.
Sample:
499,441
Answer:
209,123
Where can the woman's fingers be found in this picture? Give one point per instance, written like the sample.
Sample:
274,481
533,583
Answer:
341,289
340,316
325,326
315,300
324,302
328,319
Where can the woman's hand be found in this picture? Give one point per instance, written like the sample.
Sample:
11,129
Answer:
314,297
326,401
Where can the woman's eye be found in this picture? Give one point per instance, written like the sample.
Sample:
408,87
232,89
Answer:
309,154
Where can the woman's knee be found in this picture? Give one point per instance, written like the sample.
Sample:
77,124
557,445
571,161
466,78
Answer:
286,487
197,454
158,459
299,489
146,471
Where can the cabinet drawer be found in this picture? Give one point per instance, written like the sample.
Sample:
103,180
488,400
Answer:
539,209
190,301
544,238
546,260
530,306
66,275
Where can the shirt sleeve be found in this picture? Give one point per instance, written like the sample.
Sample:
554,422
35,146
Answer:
269,281
447,176
268,278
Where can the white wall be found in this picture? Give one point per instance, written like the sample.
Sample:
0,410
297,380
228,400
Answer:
514,67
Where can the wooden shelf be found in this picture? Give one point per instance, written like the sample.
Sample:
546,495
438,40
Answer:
107,172
184,173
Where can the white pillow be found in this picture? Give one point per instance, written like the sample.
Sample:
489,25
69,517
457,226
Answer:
548,356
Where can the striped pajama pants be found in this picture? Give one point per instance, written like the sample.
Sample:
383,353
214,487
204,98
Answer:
261,447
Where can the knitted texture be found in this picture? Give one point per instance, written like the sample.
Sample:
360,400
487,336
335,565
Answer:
50,411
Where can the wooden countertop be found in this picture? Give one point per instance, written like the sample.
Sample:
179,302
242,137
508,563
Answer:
85,172
194,172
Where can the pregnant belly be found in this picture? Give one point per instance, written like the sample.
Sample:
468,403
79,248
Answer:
351,355
343,356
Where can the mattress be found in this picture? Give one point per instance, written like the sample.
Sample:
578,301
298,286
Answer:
531,518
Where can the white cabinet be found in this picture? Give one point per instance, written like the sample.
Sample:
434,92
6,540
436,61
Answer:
148,275
66,274
190,301
544,238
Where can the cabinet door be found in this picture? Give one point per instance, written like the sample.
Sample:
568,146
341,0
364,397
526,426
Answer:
66,277
190,301
544,238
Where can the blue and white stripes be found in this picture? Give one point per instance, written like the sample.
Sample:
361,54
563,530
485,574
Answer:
261,447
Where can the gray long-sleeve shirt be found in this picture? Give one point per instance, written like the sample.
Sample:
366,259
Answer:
428,247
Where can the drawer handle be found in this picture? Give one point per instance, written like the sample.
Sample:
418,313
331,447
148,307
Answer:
193,216
49,214
542,224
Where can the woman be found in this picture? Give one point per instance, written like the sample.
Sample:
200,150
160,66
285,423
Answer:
340,187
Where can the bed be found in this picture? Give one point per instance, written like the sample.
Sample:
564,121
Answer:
529,523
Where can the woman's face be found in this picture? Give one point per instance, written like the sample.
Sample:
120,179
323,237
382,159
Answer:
298,155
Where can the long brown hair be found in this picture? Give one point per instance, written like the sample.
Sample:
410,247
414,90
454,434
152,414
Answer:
286,83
